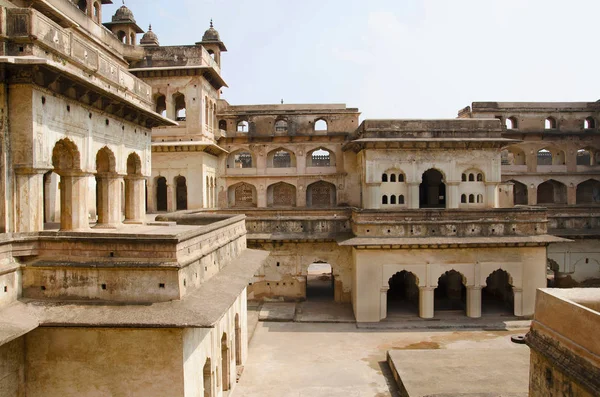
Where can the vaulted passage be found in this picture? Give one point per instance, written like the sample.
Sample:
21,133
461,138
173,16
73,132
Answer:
552,192
432,191
519,193
403,295
588,192
319,282
451,293
498,296
181,193
161,194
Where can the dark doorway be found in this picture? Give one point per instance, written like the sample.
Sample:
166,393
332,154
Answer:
161,194
319,282
181,193
432,191
498,296
225,362
451,293
519,193
403,295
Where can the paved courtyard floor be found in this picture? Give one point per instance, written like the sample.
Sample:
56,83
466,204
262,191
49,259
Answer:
338,359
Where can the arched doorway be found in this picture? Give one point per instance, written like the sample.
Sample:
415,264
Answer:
207,378
403,295
552,192
498,297
451,293
161,194
238,340
519,193
588,192
432,191
51,200
66,161
181,193
321,194
225,362
319,282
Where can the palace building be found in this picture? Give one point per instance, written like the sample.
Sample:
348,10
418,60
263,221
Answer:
412,217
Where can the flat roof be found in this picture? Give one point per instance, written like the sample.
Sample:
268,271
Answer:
202,308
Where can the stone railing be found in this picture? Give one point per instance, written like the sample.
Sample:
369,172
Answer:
67,46
520,221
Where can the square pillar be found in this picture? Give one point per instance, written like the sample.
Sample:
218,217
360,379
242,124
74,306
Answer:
474,301
29,192
491,195
531,195
135,199
452,196
413,195
426,302
109,201
571,194
383,303
518,299
73,203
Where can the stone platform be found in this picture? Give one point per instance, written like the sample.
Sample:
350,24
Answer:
458,372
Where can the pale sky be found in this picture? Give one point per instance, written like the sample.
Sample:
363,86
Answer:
391,58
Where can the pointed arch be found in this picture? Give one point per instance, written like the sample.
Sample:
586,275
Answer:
281,194
588,192
321,194
242,195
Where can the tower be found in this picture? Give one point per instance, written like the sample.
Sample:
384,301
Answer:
213,44
123,25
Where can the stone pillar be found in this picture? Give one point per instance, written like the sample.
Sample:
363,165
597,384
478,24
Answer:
73,203
374,195
518,299
170,198
531,195
135,199
571,194
491,195
301,196
453,198
261,196
383,303
426,308
474,301
29,192
151,196
109,201
413,195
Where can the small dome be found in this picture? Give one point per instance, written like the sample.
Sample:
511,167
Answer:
149,38
211,34
123,14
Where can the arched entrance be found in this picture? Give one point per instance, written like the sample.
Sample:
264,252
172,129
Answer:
238,340
451,293
319,282
225,362
181,193
207,378
588,192
403,295
135,190
552,192
432,191
66,161
519,193
51,200
498,297
161,194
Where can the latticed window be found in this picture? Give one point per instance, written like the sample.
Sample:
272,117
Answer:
282,159
321,158
243,160
281,126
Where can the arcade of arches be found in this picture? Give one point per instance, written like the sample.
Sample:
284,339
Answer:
65,188
406,298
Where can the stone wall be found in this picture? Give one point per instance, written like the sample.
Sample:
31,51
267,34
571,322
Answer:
12,368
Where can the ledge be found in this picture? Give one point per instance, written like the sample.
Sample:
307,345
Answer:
202,308
452,242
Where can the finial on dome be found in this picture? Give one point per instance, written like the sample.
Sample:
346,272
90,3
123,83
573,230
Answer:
150,27
211,24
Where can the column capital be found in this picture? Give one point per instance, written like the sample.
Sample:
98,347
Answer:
474,287
385,289
426,288
31,170
515,289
